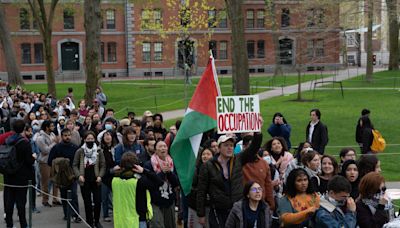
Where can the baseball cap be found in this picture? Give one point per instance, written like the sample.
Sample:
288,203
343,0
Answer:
224,138
147,113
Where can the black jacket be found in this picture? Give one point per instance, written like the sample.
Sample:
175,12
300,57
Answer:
319,136
365,219
366,138
64,150
24,156
224,193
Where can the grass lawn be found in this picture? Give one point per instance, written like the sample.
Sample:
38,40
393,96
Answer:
160,95
341,114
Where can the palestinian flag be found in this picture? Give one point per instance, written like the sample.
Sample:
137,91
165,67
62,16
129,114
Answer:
200,116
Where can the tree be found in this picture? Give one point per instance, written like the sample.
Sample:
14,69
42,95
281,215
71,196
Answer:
270,5
393,34
14,77
92,22
240,64
370,19
44,18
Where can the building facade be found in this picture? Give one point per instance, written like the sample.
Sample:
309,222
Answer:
308,35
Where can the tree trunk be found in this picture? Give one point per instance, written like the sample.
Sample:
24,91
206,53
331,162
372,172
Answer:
14,76
48,56
370,19
44,20
240,65
270,4
92,28
393,34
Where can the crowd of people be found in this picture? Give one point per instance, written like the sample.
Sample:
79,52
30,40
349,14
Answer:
126,174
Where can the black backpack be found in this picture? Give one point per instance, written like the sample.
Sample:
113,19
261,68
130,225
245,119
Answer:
8,159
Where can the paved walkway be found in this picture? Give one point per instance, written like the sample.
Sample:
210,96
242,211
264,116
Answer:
306,86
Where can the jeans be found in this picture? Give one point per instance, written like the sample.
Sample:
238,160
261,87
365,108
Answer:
14,196
142,224
74,198
106,199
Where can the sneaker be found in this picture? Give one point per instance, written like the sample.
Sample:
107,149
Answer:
98,225
46,204
35,210
107,219
77,219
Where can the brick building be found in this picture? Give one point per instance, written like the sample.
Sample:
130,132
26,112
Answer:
308,35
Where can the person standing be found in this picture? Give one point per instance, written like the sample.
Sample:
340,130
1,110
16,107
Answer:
45,141
280,128
17,196
366,135
66,149
364,112
317,132
100,96
89,166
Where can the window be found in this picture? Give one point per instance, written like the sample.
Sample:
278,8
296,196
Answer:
223,50
315,17
315,48
26,53
102,52
112,52
310,48
212,18
351,42
24,19
110,19
319,48
38,53
260,19
260,49
146,52
250,49
212,45
158,49
69,19
250,19
285,18
223,19
151,19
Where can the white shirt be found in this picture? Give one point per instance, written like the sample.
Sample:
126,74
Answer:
311,130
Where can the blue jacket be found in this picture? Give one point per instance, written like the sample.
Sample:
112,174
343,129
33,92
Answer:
276,130
136,148
330,216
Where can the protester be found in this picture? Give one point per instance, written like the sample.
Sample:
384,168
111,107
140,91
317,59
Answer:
312,165
300,202
350,172
17,196
317,132
159,130
329,168
66,149
374,204
108,144
337,209
89,167
204,155
45,141
129,144
163,198
281,158
101,97
347,153
137,126
359,139
302,149
131,199
280,128
368,163
251,211
366,134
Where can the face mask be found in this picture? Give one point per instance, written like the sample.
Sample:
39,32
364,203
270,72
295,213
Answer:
35,128
337,203
267,159
89,145
53,119
108,127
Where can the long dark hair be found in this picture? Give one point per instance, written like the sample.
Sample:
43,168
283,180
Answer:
344,168
367,164
268,145
280,115
290,189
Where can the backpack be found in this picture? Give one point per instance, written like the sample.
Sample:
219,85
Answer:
378,143
8,158
61,172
